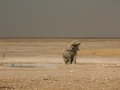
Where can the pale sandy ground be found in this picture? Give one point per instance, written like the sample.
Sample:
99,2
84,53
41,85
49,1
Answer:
97,68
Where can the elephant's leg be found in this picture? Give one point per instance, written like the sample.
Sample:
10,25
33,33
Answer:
66,61
71,60
74,59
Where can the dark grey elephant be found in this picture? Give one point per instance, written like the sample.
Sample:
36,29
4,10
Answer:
70,53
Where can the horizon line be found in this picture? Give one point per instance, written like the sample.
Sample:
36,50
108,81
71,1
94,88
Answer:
60,37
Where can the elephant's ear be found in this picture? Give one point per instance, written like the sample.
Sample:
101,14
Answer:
76,43
69,48
79,43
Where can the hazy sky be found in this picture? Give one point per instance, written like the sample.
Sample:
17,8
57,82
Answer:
62,18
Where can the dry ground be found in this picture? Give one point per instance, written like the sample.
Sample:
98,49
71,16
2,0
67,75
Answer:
97,68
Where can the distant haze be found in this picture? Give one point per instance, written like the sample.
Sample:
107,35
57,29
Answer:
59,18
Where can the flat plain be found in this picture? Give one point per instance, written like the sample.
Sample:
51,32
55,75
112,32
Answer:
37,64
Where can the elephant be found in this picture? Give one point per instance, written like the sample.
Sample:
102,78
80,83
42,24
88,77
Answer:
70,52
